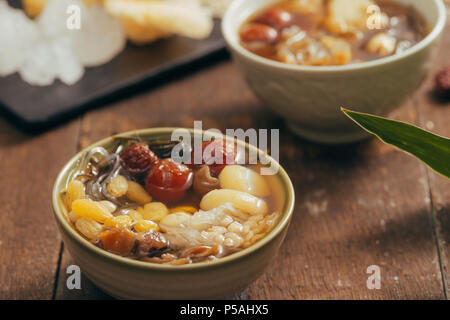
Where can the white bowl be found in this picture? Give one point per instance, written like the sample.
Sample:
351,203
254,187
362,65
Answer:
310,97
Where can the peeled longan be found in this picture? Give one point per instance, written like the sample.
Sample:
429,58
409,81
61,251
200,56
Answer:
243,179
240,200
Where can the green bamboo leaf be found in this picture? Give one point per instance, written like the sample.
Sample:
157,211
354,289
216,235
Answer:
432,149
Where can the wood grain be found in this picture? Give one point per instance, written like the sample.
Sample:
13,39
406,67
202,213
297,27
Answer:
358,205
434,115
29,239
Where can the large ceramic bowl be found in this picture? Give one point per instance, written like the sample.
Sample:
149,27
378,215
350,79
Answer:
309,98
132,279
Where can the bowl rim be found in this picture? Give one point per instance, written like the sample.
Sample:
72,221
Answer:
286,212
230,15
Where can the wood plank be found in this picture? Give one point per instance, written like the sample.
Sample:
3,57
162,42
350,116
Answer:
29,239
87,291
434,115
357,206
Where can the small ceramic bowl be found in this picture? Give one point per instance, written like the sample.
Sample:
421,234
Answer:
131,279
310,97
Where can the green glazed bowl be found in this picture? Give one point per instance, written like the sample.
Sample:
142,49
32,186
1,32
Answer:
131,279
309,97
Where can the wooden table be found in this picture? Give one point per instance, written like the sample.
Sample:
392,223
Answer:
358,205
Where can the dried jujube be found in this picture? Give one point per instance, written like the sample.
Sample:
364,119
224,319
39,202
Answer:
443,82
168,180
278,18
137,159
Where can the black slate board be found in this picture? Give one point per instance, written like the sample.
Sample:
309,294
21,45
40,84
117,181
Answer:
137,67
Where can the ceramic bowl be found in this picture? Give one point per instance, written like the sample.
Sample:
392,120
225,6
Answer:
131,279
310,97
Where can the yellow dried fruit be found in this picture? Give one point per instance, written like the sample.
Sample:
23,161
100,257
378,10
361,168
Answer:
154,211
119,222
175,219
118,186
140,210
33,7
340,49
92,2
134,215
187,209
75,191
88,227
146,21
91,209
137,193
111,207
145,225
72,217
140,34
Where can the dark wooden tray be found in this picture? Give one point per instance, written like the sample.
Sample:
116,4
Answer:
137,67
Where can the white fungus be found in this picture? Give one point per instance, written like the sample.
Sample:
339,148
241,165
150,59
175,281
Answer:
17,31
69,66
53,19
45,49
100,39
37,68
